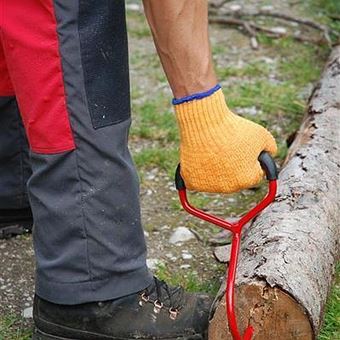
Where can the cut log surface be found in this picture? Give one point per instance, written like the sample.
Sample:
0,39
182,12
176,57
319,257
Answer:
288,254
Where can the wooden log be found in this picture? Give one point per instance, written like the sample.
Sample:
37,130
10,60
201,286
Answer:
288,254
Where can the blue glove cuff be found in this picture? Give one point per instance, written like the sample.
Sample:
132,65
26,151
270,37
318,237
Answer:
195,96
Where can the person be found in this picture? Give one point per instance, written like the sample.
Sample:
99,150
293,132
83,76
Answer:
64,66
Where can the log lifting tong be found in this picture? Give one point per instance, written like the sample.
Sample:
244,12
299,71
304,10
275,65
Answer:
269,167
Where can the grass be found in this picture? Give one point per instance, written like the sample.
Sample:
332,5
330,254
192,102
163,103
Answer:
253,69
164,158
331,326
232,205
198,200
155,121
13,327
327,10
190,280
271,99
136,25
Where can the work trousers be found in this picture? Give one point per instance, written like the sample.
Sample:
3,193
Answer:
64,67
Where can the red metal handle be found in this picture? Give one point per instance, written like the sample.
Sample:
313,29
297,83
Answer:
235,228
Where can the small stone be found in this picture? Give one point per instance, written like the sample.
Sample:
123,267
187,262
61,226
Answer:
153,263
254,43
251,111
268,60
27,313
267,8
146,233
222,238
150,176
171,256
235,8
222,254
279,30
181,234
185,266
133,7
186,256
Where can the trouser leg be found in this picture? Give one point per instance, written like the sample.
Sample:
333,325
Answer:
14,162
14,165
74,99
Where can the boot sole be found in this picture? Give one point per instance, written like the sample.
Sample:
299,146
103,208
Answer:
39,335
13,230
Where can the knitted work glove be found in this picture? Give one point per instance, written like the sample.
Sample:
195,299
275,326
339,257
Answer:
219,150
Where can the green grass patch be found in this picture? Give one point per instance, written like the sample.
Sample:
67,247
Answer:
301,69
219,49
328,13
13,328
278,102
147,60
140,32
163,158
137,25
255,69
331,326
229,205
198,200
155,120
190,280
267,97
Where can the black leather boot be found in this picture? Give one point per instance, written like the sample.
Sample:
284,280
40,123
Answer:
158,312
15,222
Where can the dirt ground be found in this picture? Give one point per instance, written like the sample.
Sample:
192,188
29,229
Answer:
190,263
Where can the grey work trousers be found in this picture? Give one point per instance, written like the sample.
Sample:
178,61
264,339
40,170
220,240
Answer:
82,184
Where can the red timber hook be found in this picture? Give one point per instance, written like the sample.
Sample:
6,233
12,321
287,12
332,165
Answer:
269,167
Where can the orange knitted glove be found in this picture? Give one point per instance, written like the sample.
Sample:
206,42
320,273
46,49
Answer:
219,150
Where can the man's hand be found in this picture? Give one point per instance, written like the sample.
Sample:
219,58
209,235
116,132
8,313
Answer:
219,150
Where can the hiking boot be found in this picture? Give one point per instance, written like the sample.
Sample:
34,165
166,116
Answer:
15,222
158,312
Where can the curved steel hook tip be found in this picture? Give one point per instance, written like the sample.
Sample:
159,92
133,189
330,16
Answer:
248,333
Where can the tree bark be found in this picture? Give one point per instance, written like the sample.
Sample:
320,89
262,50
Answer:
288,254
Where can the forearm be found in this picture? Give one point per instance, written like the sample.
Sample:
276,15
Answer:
180,31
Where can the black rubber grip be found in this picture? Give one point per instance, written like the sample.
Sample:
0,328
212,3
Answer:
178,179
268,165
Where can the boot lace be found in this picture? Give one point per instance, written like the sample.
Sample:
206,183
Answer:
162,295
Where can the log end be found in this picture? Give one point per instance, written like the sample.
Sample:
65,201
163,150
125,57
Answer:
273,313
